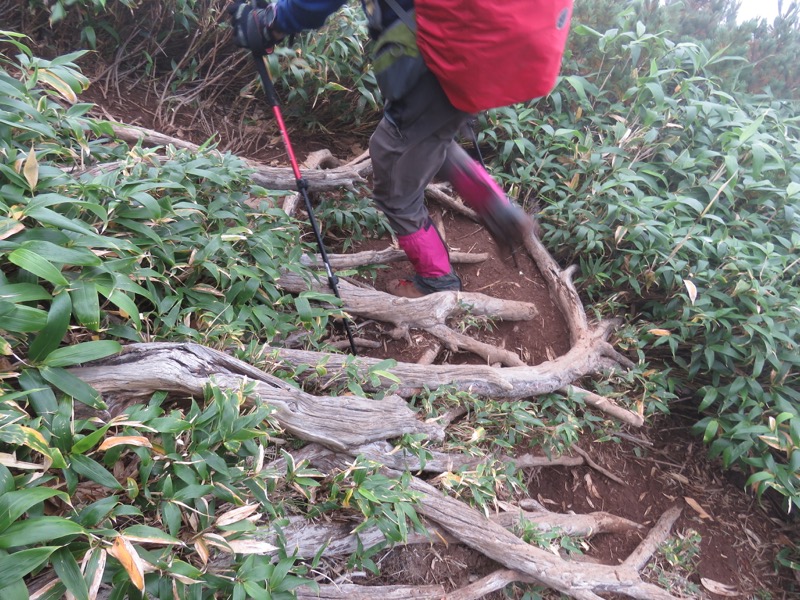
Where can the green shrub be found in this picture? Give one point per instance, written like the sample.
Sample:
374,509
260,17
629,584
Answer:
680,202
102,244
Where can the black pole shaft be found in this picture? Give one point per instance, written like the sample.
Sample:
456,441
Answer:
302,185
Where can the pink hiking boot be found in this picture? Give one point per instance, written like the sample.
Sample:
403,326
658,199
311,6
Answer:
507,223
428,255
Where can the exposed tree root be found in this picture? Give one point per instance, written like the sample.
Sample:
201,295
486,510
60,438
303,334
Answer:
272,178
342,428
341,422
349,591
336,539
345,426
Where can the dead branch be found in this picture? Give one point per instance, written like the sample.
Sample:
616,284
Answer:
486,585
342,422
657,536
597,467
337,539
582,359
606,405
382,257
441,193
429,313
472,528
272,178
349,591
348,424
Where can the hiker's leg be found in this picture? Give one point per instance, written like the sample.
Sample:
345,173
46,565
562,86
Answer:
407,149
506,221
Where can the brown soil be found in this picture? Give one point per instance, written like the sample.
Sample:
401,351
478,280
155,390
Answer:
511,276
663,464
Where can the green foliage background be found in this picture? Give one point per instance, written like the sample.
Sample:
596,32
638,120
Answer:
664,165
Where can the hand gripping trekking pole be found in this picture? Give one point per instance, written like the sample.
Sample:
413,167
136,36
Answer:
302,184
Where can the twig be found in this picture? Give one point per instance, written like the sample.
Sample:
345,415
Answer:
597,467
606,405
491,583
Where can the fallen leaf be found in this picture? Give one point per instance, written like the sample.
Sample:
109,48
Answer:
697,508
236,515
715,587
127,556
9,460
241,546
590,486
679,478
202,550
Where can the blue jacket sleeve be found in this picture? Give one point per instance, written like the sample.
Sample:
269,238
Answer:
293,16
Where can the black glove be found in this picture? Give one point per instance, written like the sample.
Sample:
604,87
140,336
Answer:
253,27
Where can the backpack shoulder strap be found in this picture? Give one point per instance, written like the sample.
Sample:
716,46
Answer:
404,16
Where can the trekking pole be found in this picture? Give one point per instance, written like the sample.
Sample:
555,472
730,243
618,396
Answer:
302,184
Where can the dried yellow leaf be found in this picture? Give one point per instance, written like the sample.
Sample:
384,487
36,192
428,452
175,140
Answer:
58,84
127,440
16,228
127,556
9,460
94,584
202,550
236,515
659,332
715,587
31,169
697,508
691,289
245,546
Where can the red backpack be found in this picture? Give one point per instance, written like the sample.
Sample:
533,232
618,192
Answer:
493,53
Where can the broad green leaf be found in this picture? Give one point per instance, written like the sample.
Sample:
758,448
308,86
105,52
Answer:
24,319
17,590
23,292
73,386
51,217
14,504
90,441
86,304
6,480
41,396
15,566
123,302
58,318
36,530
82,353
39,266
149,535
69,573
93,470
82,257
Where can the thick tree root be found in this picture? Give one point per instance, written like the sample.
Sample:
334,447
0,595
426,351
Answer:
342,422
271,178
575,579
344,426
349,426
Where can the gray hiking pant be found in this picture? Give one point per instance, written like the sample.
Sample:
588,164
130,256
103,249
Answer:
408,148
